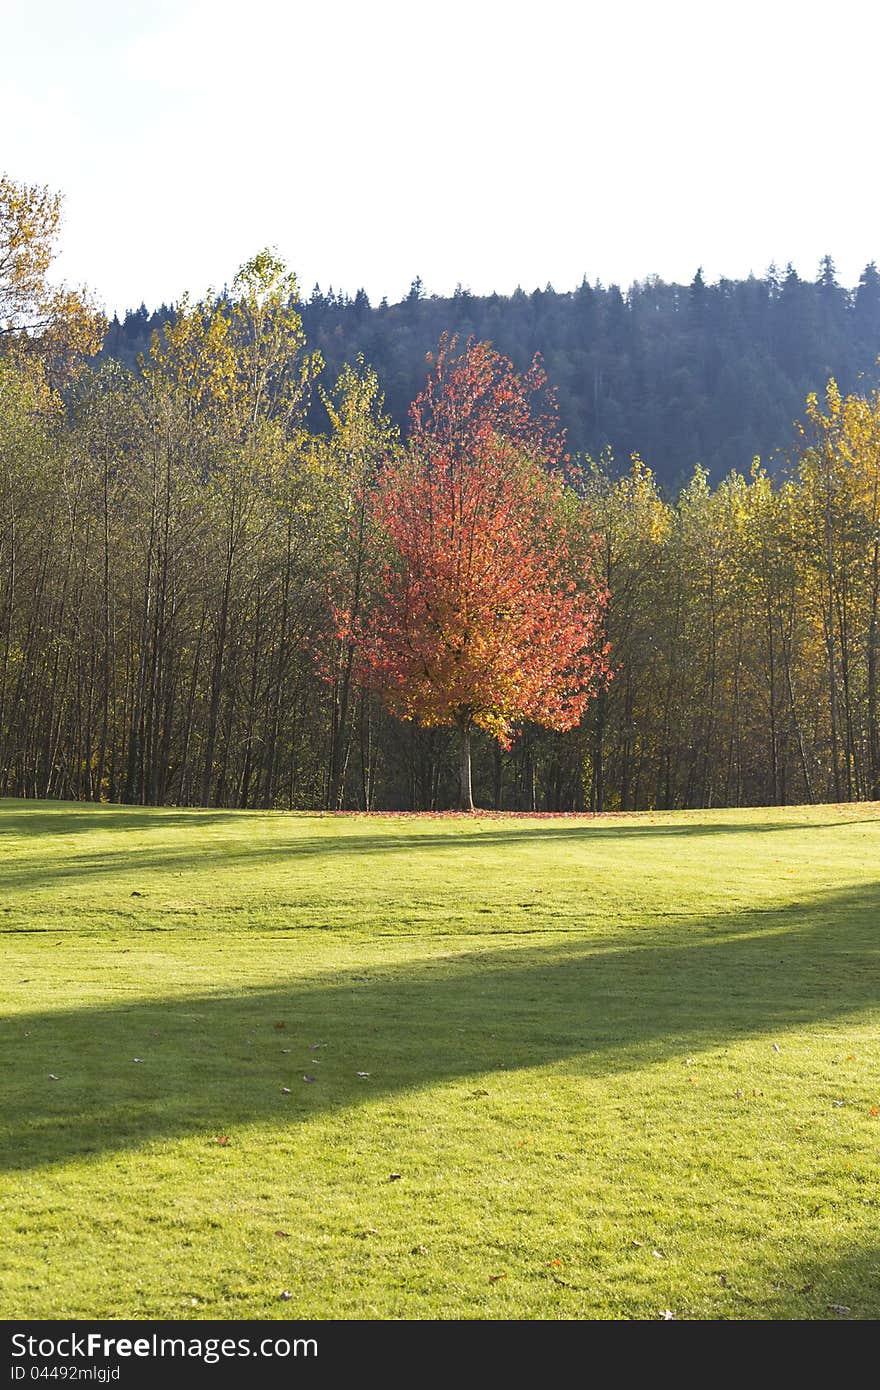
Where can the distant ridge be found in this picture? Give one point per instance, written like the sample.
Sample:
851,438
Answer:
708,373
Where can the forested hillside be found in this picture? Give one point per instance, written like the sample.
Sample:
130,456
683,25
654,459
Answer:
195,554
705,373
171,543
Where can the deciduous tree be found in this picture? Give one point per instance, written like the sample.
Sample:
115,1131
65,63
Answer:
488,610
62,322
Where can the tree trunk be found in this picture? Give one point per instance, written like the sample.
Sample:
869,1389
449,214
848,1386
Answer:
217,678
597,790
499,774
465,797
873,647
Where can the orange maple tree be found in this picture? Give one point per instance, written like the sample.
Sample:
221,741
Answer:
487,610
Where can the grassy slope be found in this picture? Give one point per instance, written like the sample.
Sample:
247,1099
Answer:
569,1027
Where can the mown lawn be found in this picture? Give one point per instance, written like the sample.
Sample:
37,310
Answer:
621,1066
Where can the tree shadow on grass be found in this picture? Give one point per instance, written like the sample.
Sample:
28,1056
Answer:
214,1061
22,817
40,870
839,1286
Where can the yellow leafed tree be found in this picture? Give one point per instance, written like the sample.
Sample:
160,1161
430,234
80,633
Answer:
35,313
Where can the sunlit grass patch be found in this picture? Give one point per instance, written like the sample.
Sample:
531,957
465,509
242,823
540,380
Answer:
620,1065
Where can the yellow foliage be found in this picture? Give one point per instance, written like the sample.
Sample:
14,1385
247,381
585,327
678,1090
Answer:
60,322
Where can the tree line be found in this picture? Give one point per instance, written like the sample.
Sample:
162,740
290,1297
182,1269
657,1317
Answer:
177,545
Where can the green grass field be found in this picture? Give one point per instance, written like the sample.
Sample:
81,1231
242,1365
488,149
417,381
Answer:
622,1065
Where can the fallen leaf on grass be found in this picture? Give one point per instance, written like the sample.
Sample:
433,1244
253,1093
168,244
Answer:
222,1140
493,1278
874,1111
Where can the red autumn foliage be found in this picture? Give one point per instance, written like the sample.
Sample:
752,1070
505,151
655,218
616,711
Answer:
487,610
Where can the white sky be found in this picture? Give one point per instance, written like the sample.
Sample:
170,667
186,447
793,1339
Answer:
478,141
